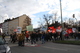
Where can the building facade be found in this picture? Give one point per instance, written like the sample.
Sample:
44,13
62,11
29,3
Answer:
21,21
24,21
13,25
0,25
5,28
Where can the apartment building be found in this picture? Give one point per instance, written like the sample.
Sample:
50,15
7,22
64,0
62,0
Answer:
13,25
21,21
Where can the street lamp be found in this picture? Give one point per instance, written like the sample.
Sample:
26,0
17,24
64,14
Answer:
76,20
74,17
61,20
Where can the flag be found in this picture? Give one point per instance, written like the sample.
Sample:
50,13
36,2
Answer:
59,29
69,31
52,29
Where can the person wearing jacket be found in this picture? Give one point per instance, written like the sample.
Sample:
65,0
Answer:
43,37
27,36
20,39
33,39
23,38
3,36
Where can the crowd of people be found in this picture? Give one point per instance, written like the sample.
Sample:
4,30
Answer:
34,37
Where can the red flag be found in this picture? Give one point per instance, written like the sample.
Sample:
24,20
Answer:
69,31
52,29
59,27
15,30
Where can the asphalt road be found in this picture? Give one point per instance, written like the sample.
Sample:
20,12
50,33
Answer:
48,47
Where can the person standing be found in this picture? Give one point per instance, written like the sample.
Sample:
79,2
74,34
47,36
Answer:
20,39
36,36
32,35
14,37
27,36
43,37
39,35
3,36
11,37
23,38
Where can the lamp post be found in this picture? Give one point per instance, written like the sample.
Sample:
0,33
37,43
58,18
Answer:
62,37
74,17
76,20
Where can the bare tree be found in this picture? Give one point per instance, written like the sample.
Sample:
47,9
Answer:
40,23
46,20
55,14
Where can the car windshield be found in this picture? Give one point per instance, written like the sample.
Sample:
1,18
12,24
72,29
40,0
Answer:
1,41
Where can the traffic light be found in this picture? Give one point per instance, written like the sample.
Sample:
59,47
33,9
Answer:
73,15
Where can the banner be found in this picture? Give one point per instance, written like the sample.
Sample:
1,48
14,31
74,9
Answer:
19,29
44,28
74,30
52,29
59,29
29,28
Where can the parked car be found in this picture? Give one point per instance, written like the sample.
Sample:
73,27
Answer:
4,48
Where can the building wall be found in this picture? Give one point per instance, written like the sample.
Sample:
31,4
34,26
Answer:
13,24
0,25
24,21
5,27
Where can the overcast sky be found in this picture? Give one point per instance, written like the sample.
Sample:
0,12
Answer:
36,8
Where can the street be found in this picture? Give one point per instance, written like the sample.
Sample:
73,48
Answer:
48,47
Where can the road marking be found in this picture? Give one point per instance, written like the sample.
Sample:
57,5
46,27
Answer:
31,45
55,48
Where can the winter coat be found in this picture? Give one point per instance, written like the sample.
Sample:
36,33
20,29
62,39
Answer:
21,37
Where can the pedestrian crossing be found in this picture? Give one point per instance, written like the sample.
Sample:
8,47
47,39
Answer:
31,45
25,44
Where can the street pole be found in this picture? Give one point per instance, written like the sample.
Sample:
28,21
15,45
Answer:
76,21
61,20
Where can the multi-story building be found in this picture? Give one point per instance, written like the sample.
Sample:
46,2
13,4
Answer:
0,25
21,21
5,26
13,24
